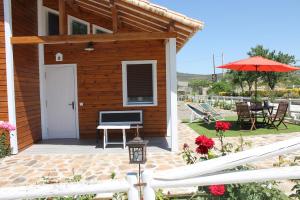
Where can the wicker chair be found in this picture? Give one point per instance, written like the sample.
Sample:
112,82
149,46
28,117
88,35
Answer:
279,116
244,115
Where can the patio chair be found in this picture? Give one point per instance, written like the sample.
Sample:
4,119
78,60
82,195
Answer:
244,115
279,116
197,114
258,111
216,116
238,110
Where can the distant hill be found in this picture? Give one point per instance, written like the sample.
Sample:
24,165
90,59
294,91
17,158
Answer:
185,77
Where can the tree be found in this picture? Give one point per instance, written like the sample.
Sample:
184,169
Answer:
197,84
272,78
221,86
241,77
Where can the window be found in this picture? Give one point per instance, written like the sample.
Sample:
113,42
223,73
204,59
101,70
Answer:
139,83
52,22
78,26
100,30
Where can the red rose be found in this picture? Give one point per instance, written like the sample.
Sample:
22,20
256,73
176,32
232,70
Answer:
222,126
204,144
217,190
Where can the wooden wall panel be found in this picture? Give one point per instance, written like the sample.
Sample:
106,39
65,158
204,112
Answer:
3,83
26,74
100,80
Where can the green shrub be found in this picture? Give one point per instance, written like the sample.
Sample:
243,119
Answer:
74,179
4,146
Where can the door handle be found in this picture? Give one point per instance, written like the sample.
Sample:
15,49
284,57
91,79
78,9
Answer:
72,104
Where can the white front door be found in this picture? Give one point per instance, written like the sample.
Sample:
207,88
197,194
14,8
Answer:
61,101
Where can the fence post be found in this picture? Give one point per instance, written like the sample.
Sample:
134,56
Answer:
133,193
289,108
147,177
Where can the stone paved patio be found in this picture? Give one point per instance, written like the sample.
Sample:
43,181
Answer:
28,168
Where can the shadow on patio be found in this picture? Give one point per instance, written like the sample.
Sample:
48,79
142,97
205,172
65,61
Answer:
89,146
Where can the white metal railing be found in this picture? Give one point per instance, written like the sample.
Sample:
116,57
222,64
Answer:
201,174
293,111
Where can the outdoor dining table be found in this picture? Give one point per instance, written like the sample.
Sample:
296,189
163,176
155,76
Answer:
262,108
256,109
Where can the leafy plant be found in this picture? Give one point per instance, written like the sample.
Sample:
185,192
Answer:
296,190
254,191
4,147
74,179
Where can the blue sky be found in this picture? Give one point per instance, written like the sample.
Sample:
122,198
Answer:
233,27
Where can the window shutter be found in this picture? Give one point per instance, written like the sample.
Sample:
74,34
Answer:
139,80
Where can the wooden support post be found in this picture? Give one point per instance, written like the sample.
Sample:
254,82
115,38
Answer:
62,17
114,14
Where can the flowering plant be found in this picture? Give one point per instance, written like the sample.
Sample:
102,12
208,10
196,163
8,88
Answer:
5,127
217,190
204,144
221,127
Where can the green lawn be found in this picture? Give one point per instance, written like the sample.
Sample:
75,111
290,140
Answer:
209,129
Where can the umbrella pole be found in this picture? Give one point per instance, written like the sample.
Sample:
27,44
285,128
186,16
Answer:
256,84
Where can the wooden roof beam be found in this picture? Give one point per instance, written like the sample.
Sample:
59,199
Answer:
63,39
171,27
114,14
62,17
73,5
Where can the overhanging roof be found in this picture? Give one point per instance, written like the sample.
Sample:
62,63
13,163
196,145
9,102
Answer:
146,16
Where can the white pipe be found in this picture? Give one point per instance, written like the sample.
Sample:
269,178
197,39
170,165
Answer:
230,161
234,178
30,192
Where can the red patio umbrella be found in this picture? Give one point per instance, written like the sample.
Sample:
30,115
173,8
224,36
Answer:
258,64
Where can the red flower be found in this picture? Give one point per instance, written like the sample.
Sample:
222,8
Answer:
217,190
222,126
204,144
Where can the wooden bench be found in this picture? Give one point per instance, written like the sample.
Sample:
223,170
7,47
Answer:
118,120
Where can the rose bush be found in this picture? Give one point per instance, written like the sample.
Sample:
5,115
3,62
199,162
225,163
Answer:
5,129
206,149
204,144
217,190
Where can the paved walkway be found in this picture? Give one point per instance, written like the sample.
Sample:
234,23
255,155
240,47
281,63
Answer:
26,168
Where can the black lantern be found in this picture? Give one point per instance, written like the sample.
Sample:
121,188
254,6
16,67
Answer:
137,150
138,154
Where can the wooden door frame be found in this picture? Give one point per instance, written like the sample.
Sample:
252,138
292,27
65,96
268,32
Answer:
44,114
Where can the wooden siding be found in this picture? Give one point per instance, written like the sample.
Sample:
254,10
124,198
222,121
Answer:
99,74
3,83
100,81
24,15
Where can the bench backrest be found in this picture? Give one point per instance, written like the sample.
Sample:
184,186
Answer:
129,117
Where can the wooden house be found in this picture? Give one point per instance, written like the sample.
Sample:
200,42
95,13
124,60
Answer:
63,61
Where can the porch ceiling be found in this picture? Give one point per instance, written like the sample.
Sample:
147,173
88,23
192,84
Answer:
144,16
139,14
